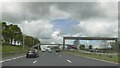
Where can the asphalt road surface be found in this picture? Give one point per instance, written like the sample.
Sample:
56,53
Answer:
55,59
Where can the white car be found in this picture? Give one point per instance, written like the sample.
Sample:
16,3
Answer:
49,50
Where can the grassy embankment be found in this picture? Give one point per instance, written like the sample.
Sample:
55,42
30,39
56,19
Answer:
112,58
10,50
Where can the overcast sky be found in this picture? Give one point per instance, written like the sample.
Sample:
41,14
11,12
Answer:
57,19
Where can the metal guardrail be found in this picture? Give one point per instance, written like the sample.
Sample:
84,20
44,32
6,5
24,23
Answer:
100,53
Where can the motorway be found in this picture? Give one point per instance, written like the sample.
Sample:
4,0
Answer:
55,59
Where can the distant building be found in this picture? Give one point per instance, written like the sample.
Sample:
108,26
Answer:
106,44
113,45
76,43
16,42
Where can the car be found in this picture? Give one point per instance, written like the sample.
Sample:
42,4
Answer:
57,50
49,50
72,47
43,51
32,54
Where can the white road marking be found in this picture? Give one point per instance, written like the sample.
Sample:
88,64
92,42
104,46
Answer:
1,61
35,61
60,56
7,60
14,58
11,59
69,61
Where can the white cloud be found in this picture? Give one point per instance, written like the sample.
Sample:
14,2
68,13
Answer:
99,27
55,33
76,35
38,28
56,38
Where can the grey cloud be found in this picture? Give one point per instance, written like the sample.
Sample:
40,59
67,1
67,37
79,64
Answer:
87,10
40,10
29,11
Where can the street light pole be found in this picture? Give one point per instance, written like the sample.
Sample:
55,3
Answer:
33,40
23,42
23,37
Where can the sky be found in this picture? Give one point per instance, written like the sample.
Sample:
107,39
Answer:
53,20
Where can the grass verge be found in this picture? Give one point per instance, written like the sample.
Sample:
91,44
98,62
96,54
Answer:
10,50
112,58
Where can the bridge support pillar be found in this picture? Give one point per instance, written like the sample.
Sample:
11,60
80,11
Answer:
63,43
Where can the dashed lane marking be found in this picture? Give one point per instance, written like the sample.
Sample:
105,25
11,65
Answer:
69,61
35,61
60,55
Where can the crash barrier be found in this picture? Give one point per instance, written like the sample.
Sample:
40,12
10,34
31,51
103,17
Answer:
98,54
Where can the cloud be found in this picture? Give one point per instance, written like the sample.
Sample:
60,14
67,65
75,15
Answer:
55,13
42,10
99,27
87,10
57,37
74,18
12,12
37,28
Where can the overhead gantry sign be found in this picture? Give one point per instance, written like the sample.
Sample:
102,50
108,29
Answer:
87,38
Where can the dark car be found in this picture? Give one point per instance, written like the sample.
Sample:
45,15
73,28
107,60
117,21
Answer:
32,54
57,50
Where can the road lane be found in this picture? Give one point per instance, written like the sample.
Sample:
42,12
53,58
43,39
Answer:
51,59
56,59
81,61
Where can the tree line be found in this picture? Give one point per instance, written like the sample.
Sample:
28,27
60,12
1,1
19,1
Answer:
12,34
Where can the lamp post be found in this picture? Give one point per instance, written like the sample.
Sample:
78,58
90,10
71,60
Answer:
23,42
33,41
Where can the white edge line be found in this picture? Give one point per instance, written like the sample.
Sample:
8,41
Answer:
96,59
11,59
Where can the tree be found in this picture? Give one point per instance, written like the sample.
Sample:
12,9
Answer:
6,34
28,41
36,41
13,32
17,33
3,25
82,47
90,47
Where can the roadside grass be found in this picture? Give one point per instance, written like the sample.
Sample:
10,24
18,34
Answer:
112,58
10,50
12,54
